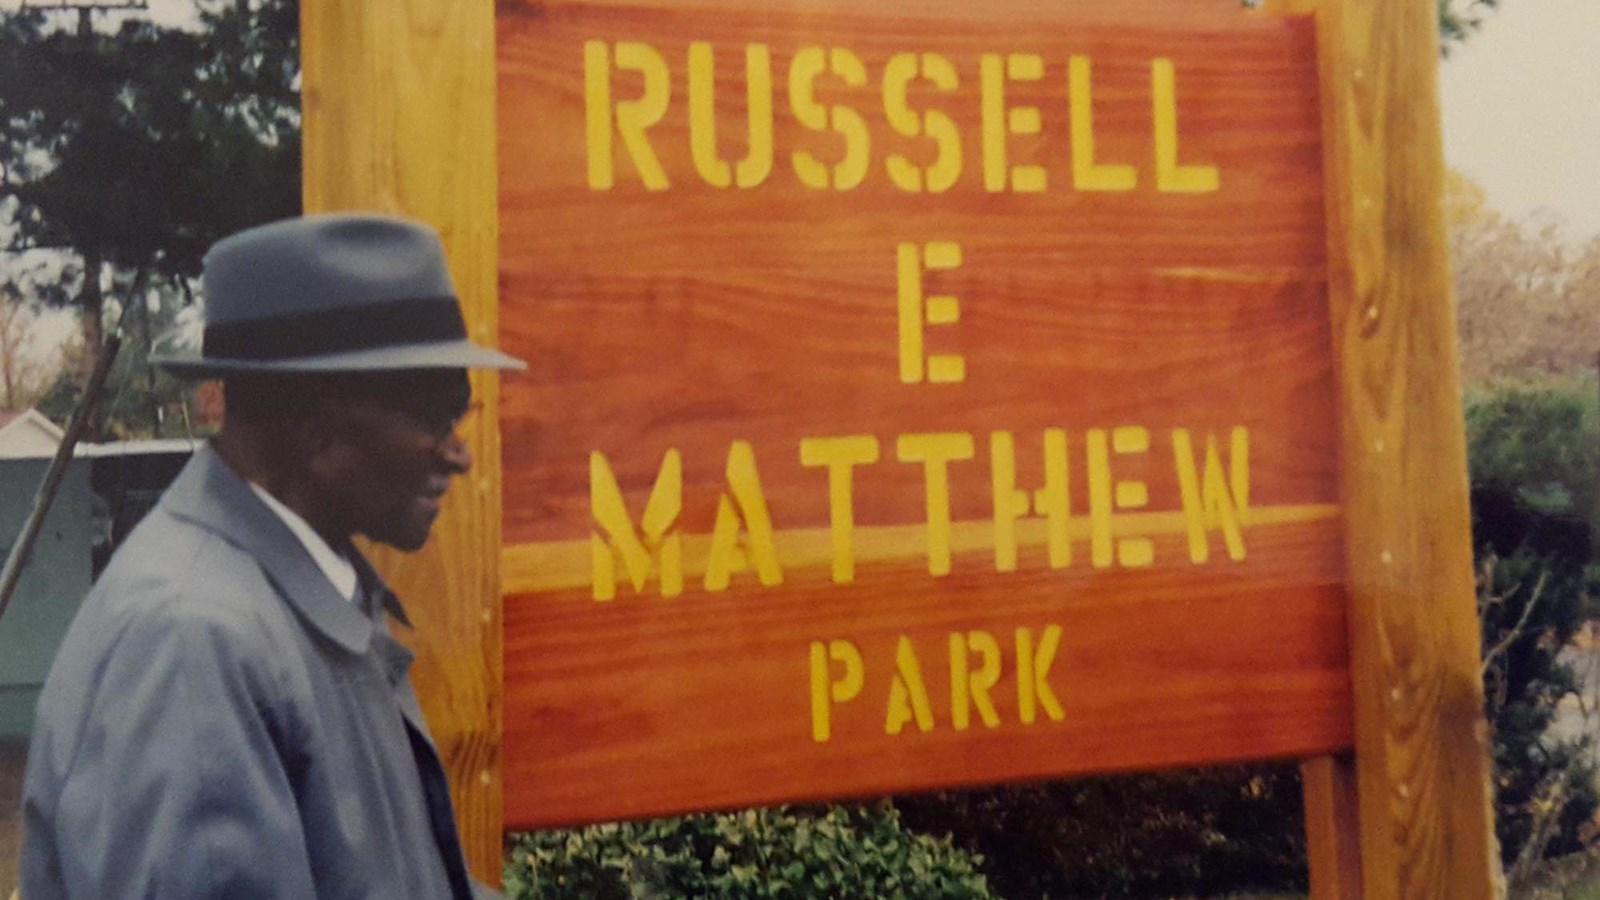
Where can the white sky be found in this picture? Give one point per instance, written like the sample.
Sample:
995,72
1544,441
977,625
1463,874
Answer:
1522,109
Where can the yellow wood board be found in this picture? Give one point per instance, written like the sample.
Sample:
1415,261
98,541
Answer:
399,117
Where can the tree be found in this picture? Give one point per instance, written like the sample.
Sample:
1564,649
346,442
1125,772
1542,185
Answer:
1527,297
1534,450
129,151
1460,18
25,372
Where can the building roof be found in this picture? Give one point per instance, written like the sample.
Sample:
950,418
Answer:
27,433
141,447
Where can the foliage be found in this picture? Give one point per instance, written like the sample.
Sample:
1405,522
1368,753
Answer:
1544,782
145,144
1535,445
128,148
1128,836
1534,450
1146,835
843,851
1527,297
140,400
1458,19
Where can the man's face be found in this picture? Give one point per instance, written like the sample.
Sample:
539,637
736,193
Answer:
392,450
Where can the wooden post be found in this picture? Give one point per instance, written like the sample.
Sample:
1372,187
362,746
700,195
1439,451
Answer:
1421,781
1333,827
399,116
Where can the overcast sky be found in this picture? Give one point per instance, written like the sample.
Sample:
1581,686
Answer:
1522,109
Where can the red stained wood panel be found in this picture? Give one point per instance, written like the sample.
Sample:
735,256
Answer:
693,318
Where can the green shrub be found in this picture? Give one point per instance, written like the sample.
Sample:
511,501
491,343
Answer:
1544,785
1178,833
1534,451
1539,439
841,851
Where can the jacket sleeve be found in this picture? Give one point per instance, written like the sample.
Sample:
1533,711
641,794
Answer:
176,787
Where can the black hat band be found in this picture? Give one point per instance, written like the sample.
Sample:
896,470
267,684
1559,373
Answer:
369,326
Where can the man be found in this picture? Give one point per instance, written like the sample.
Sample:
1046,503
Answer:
228,716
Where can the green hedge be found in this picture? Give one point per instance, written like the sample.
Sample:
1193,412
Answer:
1539,439
840,851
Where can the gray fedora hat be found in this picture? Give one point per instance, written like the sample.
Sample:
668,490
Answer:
345,292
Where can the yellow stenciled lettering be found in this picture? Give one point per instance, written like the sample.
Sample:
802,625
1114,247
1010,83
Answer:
851,170
757,164
749,507
897,73
1011,504
808,63
936,452
630,117
660,540
908,266
826,690
1133,552
1211,501
1033,674
970,687
1000,122
597,114
1098,448
946,167
917,311
1088,175
1171,177
841,455
908,696
1107,495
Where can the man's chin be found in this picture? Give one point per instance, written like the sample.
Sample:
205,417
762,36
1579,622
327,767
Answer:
410,545
406,541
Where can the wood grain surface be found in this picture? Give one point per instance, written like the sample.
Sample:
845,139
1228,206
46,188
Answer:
668,318
1422,756
399,116
1333,827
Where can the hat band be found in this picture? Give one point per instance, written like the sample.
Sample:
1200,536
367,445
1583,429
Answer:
392,323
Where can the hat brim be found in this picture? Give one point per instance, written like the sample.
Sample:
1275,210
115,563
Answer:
461,354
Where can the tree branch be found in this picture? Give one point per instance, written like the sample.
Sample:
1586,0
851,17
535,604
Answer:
1516,632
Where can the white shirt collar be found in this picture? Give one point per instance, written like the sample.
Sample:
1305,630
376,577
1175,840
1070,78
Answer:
341,574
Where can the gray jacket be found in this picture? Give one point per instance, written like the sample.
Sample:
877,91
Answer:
220,723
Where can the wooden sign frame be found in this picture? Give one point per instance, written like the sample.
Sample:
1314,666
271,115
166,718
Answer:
399,115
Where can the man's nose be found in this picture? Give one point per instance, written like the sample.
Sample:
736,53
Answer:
455,454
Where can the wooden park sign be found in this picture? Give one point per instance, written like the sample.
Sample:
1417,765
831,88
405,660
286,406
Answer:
910,406
939,393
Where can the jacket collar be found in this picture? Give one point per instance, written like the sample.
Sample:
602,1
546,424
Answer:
210,494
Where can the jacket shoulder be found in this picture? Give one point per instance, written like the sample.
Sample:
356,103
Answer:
172,567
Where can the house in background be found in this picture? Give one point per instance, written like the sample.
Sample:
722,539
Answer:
27,433
106,490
